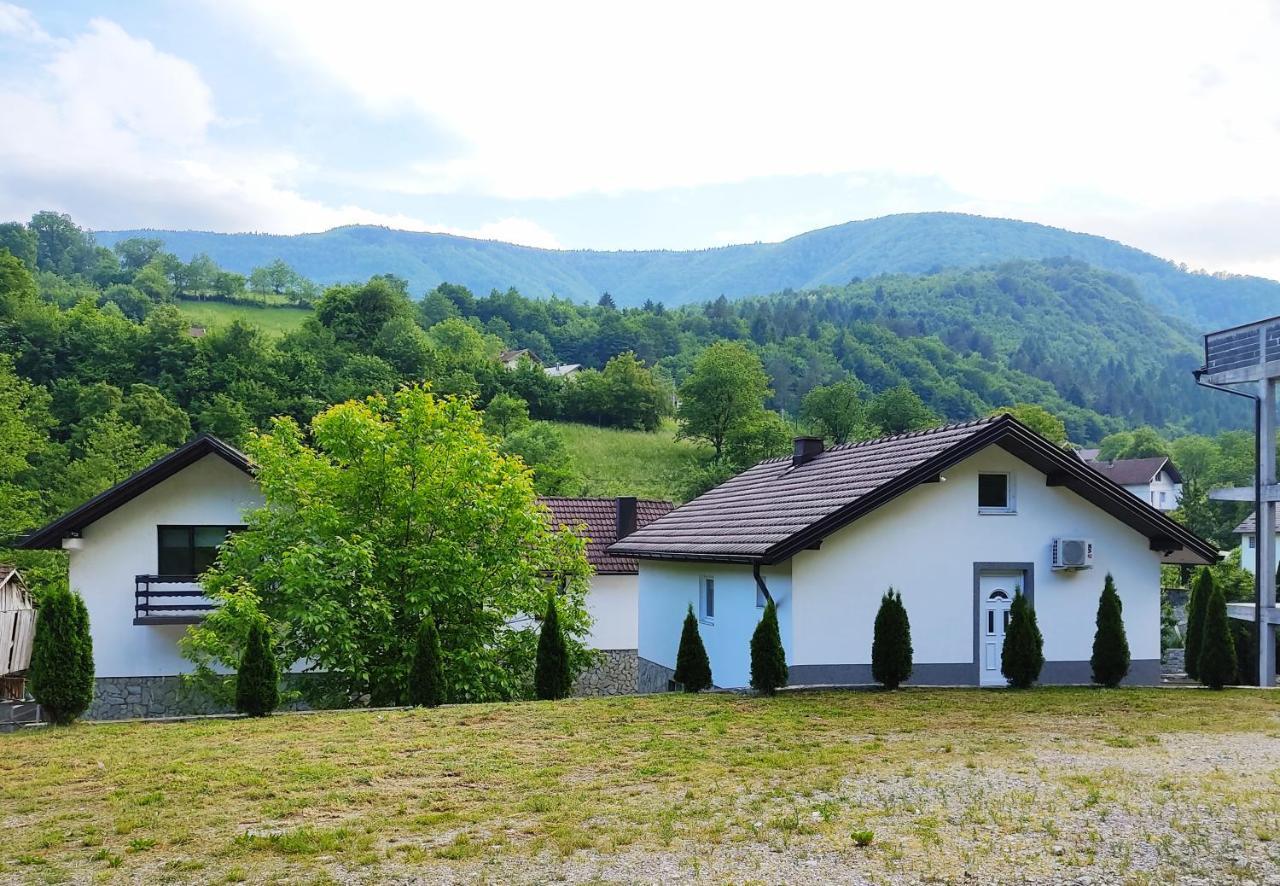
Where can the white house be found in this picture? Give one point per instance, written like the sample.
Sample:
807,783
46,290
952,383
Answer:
136,550
1154,480
1248,532
955,518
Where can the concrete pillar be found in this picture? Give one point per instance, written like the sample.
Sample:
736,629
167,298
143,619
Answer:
1267,535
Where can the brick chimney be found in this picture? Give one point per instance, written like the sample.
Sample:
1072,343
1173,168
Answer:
626,522
806,450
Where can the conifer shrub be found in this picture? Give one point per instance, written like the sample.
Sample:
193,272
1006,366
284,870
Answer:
426,673
768,658
258,678
1110,660
552,677
1022,656
1201,590
1244,635
891,644
693,667
1217,665
60,675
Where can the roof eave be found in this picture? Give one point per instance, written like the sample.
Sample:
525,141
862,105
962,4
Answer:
50,537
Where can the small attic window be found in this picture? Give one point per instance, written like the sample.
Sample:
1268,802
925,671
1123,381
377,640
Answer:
995,494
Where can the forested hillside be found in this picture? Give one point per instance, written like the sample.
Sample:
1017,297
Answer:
912,243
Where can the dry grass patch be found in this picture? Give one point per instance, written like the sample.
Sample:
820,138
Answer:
1043,784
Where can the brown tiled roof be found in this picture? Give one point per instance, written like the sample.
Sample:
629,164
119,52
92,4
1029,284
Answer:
1134,471
600,518
771,511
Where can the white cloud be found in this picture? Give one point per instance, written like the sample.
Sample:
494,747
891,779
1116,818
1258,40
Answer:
119,133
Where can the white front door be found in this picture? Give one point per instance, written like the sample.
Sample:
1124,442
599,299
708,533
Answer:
995,596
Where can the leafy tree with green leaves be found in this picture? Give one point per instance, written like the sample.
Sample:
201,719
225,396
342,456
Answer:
891,651
1197,605
61,673
553,677
726,388
757,437
20,241
366,528
900,409
137,252
258,677
768,657
837,411
426,673
504,414
540,445
1039,419
1216,666
1022,656
356,313
693,667
1110,660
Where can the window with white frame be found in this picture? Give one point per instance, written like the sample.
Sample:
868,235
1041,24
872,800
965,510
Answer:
707,599
995,494
1252,542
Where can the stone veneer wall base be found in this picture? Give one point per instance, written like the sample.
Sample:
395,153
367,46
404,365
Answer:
613,674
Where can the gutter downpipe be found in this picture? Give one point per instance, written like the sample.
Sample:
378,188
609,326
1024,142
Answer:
1257,506
764,588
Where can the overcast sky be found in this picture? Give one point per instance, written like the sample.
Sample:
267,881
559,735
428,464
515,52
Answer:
619,126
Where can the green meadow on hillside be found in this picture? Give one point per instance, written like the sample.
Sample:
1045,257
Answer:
272,319
613,462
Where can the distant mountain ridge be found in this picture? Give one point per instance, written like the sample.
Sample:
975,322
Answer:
911,244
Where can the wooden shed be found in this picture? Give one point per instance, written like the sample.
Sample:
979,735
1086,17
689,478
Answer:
17,630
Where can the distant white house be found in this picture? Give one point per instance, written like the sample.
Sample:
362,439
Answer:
135,553
563,370
1248,532
511,359
955,518
1154,480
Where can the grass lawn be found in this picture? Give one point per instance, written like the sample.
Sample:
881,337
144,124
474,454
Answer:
614,462
1127,786
274,319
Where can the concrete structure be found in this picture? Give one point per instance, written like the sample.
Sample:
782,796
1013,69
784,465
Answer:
1249,355
957,519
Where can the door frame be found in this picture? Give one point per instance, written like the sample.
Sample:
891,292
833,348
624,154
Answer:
1028,571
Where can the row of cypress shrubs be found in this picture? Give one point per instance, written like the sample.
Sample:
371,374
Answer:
1021,658
1209,649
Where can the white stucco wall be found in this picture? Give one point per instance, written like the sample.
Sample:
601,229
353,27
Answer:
612,602
925,544
1161,483
1248,555
123,544
668,589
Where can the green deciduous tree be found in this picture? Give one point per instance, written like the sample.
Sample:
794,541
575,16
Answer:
726,388
1110,660
426,673
768,657
390,509
1217,663
258,677
552,676
891,652
541,446
1039,419
1022,655
504,414
900,409
61,674
693,667
1201,590
837,411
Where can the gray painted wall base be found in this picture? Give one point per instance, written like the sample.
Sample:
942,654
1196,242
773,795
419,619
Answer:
615,673
653,677
1143,672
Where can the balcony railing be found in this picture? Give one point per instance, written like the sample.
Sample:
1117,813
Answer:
169,606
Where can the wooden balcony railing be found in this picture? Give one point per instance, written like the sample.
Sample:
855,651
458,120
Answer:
168,606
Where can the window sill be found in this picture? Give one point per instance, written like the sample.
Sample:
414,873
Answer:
997,512
709,622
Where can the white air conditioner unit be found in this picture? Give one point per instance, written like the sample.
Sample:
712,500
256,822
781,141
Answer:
1072,553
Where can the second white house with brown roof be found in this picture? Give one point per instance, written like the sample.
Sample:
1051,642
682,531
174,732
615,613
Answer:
955,518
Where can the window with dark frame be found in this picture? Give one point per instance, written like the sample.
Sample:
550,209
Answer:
708,599
189,550
993,492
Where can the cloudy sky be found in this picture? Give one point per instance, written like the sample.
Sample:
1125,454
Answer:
618,126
